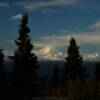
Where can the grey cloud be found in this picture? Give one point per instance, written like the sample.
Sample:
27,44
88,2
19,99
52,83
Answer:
45,4
3,4
63,40
95,26
17,16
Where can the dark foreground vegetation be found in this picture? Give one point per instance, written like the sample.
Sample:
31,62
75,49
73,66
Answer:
24,82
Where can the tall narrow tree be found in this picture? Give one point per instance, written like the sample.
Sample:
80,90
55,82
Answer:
55,77
97,72
97,81
25,62
73,68
2,76
3,82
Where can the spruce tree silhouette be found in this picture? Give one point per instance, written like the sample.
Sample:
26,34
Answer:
97,72
55,77
97,81
73,69
25,62
3,81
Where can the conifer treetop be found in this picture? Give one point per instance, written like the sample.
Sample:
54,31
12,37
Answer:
72,41
73,49
23,41
1,55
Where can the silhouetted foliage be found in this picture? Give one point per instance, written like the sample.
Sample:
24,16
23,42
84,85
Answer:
97,72
3,81
24,75
73,69
97,81
55,76
2,74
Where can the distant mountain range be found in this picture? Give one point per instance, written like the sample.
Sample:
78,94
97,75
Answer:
51,53
49,56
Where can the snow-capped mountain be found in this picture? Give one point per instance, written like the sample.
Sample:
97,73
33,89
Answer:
49,52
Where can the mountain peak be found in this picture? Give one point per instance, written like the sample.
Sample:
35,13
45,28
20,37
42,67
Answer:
50,52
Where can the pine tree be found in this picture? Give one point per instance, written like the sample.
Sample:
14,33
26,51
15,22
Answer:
25,62
73,69
56,76
97,81
3,82
97,72
2,75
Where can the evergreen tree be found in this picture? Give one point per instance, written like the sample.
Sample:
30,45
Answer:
97,72
55,77
2,75
3,82
73,69
97,81
25,62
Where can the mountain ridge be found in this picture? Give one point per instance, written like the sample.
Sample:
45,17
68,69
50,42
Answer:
51,53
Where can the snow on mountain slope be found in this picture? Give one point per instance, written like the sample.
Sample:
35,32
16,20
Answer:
49,52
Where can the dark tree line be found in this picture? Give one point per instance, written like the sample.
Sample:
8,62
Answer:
25,83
